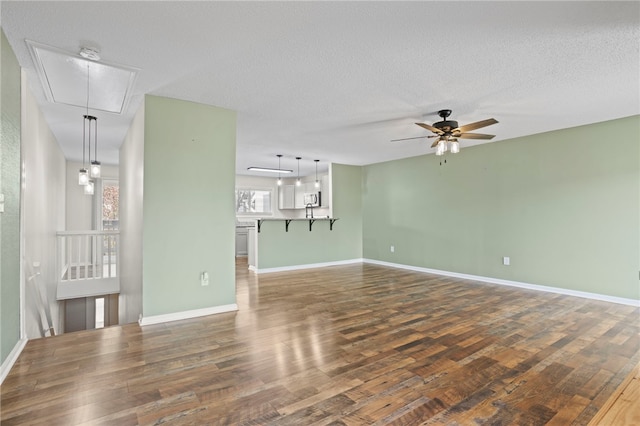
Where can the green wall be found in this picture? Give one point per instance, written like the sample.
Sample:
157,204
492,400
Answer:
188,217
563,205
10,187
278,248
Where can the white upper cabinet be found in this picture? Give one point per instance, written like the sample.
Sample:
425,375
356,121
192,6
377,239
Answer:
286,197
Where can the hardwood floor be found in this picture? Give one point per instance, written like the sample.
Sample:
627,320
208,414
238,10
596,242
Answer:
623,407
348,345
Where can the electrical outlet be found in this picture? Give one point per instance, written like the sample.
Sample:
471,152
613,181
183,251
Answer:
204,279
506,261
392,249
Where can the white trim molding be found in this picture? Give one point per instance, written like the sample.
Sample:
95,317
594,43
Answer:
176,316
557,290
306,266
12,358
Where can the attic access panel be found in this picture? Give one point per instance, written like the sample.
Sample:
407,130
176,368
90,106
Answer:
64,79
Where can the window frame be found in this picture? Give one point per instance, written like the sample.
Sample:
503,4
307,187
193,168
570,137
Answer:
254,189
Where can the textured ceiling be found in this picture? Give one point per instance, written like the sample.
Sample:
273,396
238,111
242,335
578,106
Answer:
336,81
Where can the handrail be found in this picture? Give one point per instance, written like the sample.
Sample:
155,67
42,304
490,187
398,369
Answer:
85,255
88,263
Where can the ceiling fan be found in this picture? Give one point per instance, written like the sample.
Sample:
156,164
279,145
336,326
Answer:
447,132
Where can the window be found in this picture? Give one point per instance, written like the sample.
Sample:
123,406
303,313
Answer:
110,205
253,201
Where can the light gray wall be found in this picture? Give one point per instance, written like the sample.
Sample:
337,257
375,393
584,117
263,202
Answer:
44,204
131,195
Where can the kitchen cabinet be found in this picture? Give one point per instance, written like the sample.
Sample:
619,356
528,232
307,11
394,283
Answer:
286,197
241,241
292,196
299,196
251,249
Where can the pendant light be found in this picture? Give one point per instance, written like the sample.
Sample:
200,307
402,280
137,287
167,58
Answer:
317,184
89,188
89,121
298,182
94,169
83,174
279,178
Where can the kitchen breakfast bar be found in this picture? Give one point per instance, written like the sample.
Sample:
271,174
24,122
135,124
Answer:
286,243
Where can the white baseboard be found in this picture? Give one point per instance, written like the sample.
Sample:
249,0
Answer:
557,290
306,266
11,359
176,316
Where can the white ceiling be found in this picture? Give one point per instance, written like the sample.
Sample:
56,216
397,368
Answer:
336,81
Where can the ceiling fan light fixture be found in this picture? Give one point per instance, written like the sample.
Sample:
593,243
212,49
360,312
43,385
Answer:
449,131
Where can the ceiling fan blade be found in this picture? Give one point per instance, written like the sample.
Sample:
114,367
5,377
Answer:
476,125
473,136
406,139
430,128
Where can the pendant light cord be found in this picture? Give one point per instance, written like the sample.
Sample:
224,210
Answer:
86,117
84,133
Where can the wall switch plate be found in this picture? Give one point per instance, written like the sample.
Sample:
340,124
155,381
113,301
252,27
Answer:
506,261
392,249
204,279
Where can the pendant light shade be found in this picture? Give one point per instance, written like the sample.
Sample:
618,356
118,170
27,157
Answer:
455,147
317,183
91,126
95,169
89,188
83,177
298,182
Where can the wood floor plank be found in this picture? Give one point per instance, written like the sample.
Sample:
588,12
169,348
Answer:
623,407
347,345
